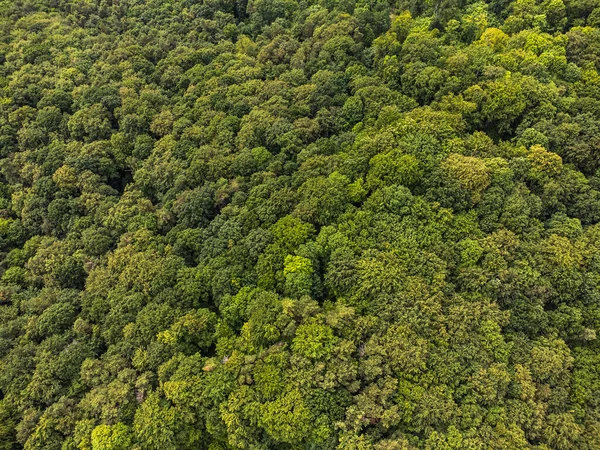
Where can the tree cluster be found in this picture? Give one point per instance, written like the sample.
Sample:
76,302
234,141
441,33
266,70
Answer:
299,224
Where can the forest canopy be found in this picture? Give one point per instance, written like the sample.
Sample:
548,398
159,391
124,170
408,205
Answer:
313,224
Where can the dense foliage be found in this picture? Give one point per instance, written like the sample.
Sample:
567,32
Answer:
314,224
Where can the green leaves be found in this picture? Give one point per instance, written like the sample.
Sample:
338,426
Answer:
393,168
323,199
287,419
298,275
299,225
313,340
111,437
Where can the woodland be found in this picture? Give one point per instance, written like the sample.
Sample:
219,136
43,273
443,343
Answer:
299,224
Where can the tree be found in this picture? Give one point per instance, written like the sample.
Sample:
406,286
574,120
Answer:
111,437
471,173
